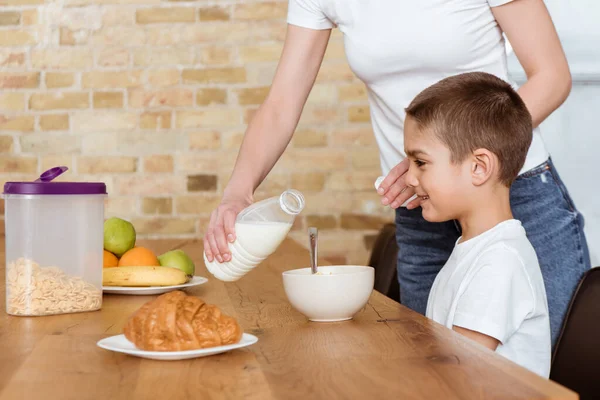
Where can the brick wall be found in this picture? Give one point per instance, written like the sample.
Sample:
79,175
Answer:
152,97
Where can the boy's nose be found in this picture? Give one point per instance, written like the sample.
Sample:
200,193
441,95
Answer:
410,178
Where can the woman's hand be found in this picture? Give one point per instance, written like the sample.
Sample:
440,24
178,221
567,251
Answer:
221,228
395,191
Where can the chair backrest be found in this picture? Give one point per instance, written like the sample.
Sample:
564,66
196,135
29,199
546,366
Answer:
576,359
384,258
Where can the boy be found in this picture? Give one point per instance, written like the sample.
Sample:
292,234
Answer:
466,138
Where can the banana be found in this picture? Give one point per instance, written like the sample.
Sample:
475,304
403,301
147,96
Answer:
143,276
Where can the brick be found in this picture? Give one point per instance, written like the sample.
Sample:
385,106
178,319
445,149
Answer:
161,98
273,184
135,142
70,37
314,160
321,115
118,15
204,162
11,58
201,183
158,163
321,222
21,164
6,144
163,56
201,119
60,100
215,55
359,114
352,92
352,181
209,140
361,222
120,36
162,77
24,123
308,182
20,2
13,80
368,158
52,160
10,18
112,57
165,226
107,120
214,75
214,13
155,120
309,138
50,143
322,94
62,58
54,122
249,96
354,137
260,53
157,205
259,11
29,17
106,164
165,15
155,185
111,79
232,140
108,99
15,37
335,50
260,74
208,96
204,204
59,79
119,206
12,101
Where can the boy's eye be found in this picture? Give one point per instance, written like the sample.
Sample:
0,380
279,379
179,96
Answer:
419,163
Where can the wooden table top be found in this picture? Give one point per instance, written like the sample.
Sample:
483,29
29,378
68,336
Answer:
386,351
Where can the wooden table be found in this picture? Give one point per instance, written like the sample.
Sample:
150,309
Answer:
386,351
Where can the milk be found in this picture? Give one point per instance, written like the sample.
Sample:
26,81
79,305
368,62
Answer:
260,239
254,242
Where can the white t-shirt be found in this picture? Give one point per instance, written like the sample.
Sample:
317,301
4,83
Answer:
492,284
398,48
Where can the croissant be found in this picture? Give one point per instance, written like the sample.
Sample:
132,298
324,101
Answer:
175,321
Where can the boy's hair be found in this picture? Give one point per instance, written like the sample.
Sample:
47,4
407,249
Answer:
477,110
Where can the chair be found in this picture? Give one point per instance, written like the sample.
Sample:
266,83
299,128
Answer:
384,259
576,358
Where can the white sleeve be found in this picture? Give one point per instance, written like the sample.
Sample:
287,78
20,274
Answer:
498,298
308,14
496,3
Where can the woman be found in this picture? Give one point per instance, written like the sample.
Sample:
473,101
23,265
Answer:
397,48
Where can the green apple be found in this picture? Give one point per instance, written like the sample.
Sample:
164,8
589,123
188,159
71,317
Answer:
119,236
178,259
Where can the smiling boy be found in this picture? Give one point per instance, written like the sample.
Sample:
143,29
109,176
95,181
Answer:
467,137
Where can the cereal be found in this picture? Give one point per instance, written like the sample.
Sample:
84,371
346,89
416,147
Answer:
35,290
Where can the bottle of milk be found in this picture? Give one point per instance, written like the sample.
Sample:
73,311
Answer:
259,229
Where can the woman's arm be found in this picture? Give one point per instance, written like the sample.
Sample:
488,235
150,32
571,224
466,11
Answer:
269,132
530,30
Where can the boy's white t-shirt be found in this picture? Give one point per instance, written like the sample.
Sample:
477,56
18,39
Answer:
398,48
493,284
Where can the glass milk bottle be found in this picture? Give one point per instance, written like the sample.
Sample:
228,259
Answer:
259,229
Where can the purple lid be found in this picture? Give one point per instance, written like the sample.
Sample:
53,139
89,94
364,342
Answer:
44,185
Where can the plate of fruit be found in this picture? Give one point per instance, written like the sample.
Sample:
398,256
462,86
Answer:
137,270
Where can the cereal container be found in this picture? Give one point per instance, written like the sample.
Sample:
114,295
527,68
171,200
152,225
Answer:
54,245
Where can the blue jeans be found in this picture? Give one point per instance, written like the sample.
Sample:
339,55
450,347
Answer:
539,200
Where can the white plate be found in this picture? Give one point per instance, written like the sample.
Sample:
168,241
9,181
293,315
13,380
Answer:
120,344
146,290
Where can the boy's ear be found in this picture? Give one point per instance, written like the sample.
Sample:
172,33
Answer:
484,166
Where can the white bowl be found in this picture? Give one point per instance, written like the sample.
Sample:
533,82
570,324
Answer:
337,293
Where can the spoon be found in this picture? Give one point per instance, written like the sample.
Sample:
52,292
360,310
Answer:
312,246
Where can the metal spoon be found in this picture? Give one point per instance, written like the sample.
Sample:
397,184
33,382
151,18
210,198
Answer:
312,246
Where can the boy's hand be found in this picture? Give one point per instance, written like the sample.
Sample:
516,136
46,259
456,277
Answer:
394,190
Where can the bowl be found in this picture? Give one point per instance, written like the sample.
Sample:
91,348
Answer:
336,293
